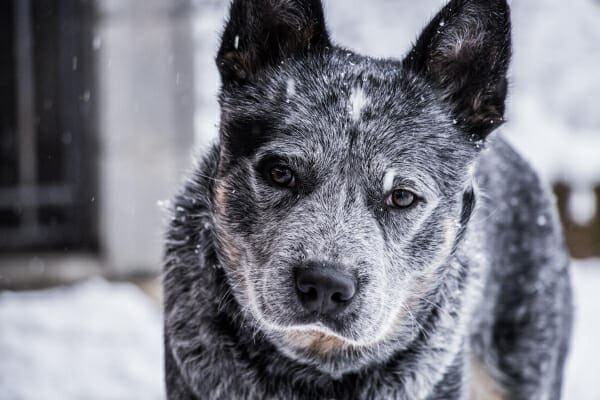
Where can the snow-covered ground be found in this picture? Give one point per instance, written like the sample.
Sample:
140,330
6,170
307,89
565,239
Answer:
100,340
583,365
95,340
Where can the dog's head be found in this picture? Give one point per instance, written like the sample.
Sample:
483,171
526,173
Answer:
344,181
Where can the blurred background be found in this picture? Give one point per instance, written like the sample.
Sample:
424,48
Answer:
103,105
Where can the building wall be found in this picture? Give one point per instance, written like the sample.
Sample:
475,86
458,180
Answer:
146,104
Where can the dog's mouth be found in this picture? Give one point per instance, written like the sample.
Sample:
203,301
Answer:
289,319
311,322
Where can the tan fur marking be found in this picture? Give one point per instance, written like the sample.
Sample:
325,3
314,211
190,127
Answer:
221,190
231,252
317,342
483,386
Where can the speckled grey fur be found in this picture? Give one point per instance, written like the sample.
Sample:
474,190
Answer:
475,270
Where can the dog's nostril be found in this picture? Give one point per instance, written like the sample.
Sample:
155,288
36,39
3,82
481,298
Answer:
340,297
311,293
337,297
324,289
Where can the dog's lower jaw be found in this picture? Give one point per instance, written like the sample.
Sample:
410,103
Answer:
327,353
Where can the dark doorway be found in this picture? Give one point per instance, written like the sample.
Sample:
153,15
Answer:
47,125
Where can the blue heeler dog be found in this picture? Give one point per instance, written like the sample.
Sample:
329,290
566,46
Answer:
356,233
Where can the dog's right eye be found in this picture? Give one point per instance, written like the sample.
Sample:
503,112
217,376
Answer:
282,176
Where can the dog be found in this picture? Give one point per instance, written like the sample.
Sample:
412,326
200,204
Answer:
357,231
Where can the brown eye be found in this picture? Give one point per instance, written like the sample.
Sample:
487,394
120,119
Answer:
282,176
401,198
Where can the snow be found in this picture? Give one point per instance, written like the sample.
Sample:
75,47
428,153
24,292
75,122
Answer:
97,43
542,220
100,340
582,205
95,340
290,89
582,365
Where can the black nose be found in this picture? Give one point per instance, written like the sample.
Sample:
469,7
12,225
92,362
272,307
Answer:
324,290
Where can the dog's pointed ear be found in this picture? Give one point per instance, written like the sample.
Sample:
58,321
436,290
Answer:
261,33
464,53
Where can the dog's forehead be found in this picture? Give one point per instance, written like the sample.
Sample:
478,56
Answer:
353,83
361,105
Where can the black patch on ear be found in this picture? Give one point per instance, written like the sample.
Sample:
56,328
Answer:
262,33
464,52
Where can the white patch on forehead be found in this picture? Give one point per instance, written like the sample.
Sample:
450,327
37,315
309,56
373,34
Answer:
388,180
358,100
236,42
290,88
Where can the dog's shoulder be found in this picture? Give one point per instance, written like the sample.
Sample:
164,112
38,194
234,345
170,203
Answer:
511,192
516,214
527,299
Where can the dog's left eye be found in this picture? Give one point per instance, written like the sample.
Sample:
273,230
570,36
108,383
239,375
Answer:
400,198
282,176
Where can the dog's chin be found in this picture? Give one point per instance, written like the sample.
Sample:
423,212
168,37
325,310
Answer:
317,341
329,353
330,350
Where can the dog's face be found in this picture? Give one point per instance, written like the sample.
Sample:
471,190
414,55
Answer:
345,181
